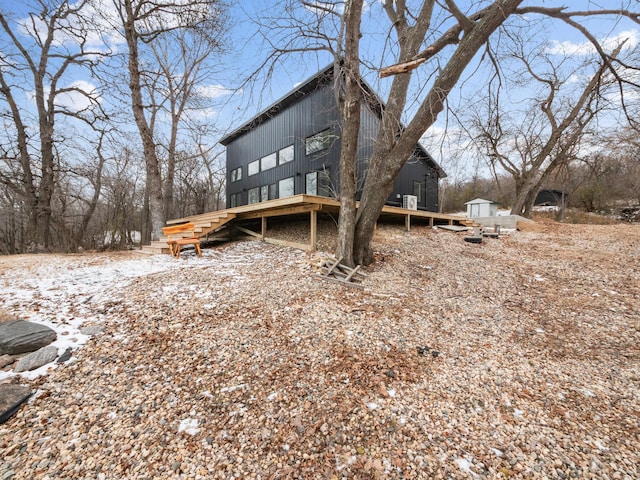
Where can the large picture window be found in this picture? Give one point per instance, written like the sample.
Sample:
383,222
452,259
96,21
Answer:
268,162
264,193
316,143
253,168
286,155
285,187
254,195
318,183
236,174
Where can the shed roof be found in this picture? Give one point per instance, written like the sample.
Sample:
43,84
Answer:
479,200
323,77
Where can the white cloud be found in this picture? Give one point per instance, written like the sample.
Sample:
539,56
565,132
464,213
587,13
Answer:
321,8
212,91
75,100
94,24
202,113
78,99
568,48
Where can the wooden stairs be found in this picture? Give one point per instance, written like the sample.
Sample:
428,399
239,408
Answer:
205,224
467,222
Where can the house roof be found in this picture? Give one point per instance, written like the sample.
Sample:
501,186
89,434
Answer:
479,200
323,77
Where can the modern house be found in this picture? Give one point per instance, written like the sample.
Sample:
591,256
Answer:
293,147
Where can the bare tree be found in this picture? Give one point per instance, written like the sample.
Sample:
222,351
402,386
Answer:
470,32
413,102
149,22
533,143
37,56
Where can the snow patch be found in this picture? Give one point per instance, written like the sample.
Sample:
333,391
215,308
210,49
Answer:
465,465
189,425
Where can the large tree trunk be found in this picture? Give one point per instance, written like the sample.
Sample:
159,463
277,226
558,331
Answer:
45,190
154,180
350,106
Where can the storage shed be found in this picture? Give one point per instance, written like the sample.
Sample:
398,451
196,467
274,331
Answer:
480,207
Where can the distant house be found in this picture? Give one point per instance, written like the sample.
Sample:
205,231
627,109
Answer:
293,147
480,207
550,198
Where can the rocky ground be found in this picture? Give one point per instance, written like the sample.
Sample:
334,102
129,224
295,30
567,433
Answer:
516,358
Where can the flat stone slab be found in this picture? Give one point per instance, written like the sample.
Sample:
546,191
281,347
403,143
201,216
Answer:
11,397
20,336
453,228
37,359
92,330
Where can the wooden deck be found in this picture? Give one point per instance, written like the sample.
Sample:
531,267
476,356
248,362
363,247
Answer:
212,222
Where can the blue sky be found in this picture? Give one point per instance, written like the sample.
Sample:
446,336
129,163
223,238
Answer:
247,50
562,40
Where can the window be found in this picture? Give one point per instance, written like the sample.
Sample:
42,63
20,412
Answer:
254,195
316,143
253,168
311,180
236,174
285,155
235,200
268,162
285,187
273,191
417,190
318,183
264,193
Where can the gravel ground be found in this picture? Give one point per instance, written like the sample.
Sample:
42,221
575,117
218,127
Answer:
516,358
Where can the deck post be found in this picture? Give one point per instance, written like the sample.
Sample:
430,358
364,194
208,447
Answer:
431,221
313,238
263,232
407,222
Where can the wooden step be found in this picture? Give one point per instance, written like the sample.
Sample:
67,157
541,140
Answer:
155,249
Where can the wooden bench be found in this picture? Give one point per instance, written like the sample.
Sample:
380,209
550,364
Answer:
179,235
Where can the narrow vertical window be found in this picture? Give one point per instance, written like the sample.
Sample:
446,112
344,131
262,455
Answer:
417,190
312,183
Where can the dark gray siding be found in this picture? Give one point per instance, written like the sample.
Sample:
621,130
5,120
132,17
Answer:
312,114
416,170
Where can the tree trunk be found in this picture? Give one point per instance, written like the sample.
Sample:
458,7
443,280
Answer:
154,180
45,190
350,106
